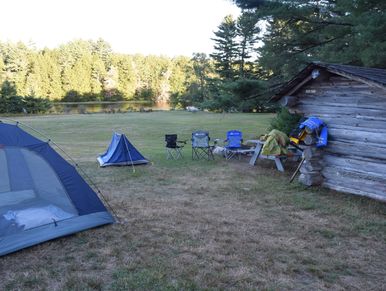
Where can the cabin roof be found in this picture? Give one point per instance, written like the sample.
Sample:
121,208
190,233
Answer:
371,76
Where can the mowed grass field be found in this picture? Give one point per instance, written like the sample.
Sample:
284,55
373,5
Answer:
193,225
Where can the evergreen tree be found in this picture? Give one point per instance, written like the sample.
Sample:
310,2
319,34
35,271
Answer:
226,48
248,34
338,31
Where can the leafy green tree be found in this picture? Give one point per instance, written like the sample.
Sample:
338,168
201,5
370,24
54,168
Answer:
16,65
127,81
55,90
37,82
98,74
203,70
182,75
190,85
110,85
2,69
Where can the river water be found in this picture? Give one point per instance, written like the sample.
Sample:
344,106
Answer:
106,107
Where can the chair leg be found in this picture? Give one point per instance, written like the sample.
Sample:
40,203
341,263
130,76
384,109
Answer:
173,154
229,154
195,154
202,153
178,154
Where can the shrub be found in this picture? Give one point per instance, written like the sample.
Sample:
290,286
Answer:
18,104
36,105
285,121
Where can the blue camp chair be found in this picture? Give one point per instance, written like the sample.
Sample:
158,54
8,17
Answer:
234,146
200,146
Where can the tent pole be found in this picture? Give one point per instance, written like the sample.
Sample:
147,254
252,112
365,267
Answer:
132,164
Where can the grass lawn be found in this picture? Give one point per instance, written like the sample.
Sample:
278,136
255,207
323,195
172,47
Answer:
201,225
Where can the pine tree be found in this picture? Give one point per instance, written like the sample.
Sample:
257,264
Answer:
338,31
226,48
248,33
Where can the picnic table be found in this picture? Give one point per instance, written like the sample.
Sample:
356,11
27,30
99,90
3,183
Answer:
257,155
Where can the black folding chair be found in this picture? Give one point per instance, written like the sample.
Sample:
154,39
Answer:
200,146
173,147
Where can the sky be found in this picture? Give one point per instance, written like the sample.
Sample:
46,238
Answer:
160,27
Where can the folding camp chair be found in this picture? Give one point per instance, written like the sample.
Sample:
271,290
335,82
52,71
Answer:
234,146
200,146
173,147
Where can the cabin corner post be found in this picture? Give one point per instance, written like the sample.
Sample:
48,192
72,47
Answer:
311,170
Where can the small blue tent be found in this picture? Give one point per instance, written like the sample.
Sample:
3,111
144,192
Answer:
121,153
42,196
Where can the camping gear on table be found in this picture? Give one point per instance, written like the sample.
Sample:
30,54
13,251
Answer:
121,153
234,146
42,196
274,146
276,143
201,149
173,147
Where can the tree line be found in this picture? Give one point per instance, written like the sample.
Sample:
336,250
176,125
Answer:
253,55
89,71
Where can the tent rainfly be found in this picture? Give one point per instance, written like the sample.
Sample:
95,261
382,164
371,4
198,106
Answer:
121,153
42,196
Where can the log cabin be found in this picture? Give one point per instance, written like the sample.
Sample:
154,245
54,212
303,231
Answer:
352,102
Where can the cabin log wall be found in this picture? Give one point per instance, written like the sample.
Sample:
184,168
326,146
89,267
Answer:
355,159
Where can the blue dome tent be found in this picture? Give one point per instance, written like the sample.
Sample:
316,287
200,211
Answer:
121,153
42,196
